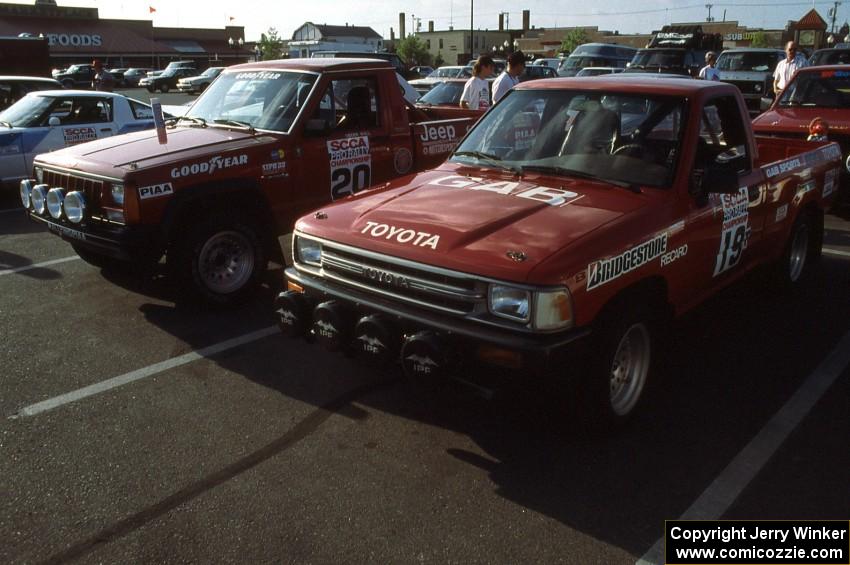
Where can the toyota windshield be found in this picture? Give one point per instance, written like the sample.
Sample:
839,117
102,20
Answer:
620,138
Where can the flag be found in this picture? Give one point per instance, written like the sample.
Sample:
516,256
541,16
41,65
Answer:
151,9
231,18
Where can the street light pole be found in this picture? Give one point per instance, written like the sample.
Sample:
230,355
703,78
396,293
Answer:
471,29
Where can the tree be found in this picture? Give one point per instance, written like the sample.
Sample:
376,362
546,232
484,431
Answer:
413,51
759,39
438,60
271,45
573,39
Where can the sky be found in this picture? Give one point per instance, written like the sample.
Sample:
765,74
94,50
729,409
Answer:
626,16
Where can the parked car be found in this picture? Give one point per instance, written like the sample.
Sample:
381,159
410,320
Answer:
751,70
834,56
198,83
423,85
133,75
421,71
118,75
76,76
559,242
533,72
551,62
13,88
596,55
447,95
44,121
814,92
266,142
167,80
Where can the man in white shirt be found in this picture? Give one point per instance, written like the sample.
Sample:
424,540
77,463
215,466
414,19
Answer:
476,91
786,68
708,72
510,76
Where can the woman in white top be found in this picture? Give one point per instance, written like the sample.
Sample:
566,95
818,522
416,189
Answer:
476,91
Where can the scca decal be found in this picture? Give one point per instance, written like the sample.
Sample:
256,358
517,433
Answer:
209,167
607,270
155,190
550,196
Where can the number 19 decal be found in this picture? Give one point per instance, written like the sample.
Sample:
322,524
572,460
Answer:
732,245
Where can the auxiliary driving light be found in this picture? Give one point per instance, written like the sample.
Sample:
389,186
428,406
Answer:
55,197
375,339
332,325
38,198
26,190
75,206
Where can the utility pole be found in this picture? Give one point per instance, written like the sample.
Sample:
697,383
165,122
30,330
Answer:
709,6
834,14
471,28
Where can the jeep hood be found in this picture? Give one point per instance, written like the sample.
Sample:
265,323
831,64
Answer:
115,156
473,220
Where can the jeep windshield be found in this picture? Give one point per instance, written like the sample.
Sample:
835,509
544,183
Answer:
824,89
747,61
263,100
620,138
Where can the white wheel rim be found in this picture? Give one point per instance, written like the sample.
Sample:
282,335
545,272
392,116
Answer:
226,262
799,253
629,369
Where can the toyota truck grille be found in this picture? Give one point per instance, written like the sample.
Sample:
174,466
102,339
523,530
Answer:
411,282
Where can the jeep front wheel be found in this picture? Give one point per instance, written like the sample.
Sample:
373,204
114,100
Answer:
222,260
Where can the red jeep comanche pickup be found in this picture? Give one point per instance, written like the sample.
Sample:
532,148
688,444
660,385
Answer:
572,220
265,143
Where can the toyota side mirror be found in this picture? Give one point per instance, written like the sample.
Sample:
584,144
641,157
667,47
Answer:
765,103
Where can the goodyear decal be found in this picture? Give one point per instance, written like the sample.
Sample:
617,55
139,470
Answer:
209,167
607,270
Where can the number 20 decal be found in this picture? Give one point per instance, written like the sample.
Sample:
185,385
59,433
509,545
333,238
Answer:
350,180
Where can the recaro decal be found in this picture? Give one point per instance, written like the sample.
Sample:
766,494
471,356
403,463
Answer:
401,235
209,167
550,196
351,165
155,190
735,232
607,270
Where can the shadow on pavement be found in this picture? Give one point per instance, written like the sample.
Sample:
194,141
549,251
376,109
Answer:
17,223
726,369
14,261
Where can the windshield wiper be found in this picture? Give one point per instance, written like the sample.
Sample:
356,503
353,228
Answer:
492,159
564,171
236,123
7,124
200,121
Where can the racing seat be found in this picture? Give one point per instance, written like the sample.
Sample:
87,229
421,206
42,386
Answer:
359,111
594,130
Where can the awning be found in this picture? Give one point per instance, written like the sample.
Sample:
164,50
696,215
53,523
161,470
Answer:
184,45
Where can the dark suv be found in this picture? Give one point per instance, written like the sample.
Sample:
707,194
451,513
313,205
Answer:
167,80
76,76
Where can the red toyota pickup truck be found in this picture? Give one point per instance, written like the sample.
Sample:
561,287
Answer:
265,143
572,221
816,95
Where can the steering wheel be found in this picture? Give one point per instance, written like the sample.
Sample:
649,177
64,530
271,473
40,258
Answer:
636,150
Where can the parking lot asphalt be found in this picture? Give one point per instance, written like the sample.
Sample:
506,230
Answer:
134,428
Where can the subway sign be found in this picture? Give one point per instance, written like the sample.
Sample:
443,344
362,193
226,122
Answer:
74,40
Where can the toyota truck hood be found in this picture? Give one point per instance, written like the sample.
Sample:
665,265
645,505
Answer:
472,220
115,156
796,119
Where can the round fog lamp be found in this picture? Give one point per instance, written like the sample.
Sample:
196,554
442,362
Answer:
55,196
38,197
26,190
847,164
75,206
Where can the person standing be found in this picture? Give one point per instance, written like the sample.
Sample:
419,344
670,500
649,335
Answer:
708,72
102,80
476,91
510,76
786,68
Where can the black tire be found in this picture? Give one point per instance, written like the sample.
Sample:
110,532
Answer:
802,250
618,371
163,88
220,260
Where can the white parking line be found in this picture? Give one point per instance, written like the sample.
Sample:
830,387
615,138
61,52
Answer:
143,373
838,252
38,265
726,488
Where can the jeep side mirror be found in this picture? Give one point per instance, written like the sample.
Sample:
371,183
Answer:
53,121
316,128
765,103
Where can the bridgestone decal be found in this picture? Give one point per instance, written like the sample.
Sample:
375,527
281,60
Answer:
607,270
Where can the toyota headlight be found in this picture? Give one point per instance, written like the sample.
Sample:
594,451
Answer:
308,251
509,302
553,310
118,194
